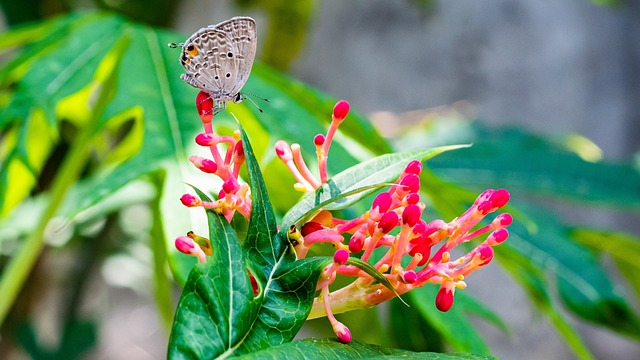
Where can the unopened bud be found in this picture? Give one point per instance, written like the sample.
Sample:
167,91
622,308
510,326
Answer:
340,110
189,200
414,167
340,257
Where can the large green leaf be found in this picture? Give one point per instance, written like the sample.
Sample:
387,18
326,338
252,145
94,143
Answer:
520,161
218,315
332,349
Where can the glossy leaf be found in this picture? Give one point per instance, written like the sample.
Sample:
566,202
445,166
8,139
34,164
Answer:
332,349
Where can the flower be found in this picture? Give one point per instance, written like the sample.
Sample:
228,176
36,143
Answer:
410,252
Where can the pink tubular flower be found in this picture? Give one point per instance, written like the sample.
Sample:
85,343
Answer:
186,245
341,110
414,167
189,200
342,332
444,298
416,254
204,104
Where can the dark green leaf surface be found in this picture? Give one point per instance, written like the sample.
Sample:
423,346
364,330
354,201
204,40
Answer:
332,349
454,325
516,160
623,248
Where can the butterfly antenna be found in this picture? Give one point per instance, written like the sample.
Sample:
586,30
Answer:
257,96
254,103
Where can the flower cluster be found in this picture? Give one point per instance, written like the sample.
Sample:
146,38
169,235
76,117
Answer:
234,195
391,236
393,227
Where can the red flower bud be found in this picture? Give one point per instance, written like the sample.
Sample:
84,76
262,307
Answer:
411,183
230,186
502,220
239,150
382,202
318,140
485,207
310,227
341,109
412,198
283,150
499,198
204,104
205,139
414,167
497,237
340,257
356,243
411,215
388,222
209,166
342,332
189,200
409,277
185,245
486,255
444,298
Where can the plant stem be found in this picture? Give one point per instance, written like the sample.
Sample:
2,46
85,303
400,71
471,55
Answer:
20,266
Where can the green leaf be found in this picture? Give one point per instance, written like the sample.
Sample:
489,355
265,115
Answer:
532,281
454,325
218,315
519,161
623,248
216,301
97,96
332,349
356,182
583,285
373,272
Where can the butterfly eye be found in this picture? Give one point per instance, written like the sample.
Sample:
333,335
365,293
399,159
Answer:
192,50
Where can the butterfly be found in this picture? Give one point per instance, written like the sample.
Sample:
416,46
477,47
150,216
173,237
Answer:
218,59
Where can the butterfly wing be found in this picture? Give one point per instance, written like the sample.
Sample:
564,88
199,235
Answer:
200,58
242,31
218,58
